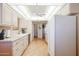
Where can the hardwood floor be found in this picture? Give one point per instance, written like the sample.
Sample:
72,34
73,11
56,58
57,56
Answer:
37,47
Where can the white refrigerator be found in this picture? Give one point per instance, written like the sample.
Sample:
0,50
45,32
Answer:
62,36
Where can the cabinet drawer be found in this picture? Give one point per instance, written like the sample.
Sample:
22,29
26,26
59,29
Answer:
17,50
17,42
19,46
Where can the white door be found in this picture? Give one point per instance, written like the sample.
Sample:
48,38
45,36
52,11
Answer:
65,35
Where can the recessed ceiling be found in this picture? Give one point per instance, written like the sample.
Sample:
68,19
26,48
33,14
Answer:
37,11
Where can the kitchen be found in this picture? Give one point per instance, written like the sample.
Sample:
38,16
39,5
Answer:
42,30
16,33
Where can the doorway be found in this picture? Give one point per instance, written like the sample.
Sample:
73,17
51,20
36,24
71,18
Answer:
35,30
43,31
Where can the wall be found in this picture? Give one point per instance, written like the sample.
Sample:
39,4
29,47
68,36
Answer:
46,33
51,36
64,10
39,27
39,30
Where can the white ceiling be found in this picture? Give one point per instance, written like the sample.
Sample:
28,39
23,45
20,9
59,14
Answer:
37,11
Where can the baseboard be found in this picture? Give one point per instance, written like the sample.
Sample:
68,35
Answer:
50,53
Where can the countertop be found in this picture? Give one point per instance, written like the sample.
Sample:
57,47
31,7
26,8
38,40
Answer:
14,37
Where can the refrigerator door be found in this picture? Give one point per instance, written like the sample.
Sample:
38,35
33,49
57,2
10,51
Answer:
65,35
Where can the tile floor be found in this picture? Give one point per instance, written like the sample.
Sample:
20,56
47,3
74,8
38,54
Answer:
37,47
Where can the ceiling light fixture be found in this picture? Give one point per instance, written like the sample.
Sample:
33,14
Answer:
23,9
49,11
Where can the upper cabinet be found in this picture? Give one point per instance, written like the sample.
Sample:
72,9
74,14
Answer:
8,16
14,20
0,13
74,8
23,23
69,9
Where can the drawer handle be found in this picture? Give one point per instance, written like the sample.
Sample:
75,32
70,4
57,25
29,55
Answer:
17,49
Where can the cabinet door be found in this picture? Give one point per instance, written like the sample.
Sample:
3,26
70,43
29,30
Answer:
18,47
65,35
14,18
6,15
25,41
0,13
23,23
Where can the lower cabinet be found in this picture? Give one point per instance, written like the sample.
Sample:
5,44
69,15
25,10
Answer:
19,46
14,48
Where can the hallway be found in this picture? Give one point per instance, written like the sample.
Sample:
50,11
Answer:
37,47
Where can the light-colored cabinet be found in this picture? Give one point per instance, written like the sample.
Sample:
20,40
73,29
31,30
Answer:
0,13
8,16
14,20
69,9
23,23
20,45
14,48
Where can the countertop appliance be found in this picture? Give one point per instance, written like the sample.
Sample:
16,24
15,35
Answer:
2,34
23,30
